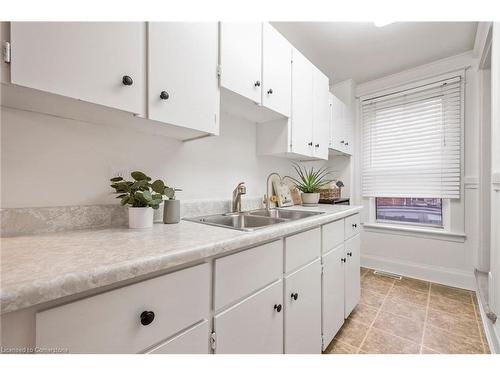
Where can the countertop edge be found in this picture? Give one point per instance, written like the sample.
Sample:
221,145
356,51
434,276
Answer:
27,295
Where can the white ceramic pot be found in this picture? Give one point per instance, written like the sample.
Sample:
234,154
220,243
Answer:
140,217
310,199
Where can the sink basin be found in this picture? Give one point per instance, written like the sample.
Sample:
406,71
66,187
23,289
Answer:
284,214
241,221
252,220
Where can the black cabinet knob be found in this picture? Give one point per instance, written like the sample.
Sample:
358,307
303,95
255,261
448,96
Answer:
164,95
316,145
269,92
347,143
277,308
310,144
257,84
127,80
354,225
350,254
342,142
147,317
295,296
343,260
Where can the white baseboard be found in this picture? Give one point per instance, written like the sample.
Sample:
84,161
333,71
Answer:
441,275
490,330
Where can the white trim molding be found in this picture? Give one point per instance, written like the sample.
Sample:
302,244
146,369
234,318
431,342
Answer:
415,231
495,181
471,182
446,276
440,67
481,41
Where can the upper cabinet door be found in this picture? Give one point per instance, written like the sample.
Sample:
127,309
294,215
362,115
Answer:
241,59
337,131
183,83
98,62
302,104
276,71
321,114
348,131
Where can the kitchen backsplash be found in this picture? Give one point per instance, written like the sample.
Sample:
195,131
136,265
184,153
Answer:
38,220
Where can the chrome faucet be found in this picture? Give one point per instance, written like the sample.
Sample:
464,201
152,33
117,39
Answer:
237,193
269,190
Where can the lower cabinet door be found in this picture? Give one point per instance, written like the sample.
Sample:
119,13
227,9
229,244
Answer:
192,341
303,310
333,294
254,325
352,274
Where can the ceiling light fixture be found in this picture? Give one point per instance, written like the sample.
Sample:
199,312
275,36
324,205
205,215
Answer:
382,23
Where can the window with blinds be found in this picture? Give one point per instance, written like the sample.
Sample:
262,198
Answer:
411,142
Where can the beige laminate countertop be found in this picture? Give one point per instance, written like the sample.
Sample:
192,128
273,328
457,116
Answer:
41,268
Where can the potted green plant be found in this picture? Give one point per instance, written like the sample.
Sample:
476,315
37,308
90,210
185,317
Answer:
140,197
309,183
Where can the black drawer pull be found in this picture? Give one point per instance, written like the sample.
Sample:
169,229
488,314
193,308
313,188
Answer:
127,80
147,317
295,296
277,308
164,95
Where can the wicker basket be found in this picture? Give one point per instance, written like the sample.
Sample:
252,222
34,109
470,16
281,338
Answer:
329,194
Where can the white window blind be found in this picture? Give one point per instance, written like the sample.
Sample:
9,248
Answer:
411,142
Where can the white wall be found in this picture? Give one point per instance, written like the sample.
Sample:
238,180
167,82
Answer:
445,260
50,161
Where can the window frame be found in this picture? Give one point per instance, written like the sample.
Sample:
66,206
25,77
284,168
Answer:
445,210
435,226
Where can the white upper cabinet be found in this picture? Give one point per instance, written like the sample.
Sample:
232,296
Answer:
276,71
321,114
182,82
306,134
341,126
97,62
241,59
302,105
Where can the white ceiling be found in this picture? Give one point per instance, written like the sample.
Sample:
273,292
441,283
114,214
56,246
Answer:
362,51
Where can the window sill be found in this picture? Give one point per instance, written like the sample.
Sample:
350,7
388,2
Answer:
405,230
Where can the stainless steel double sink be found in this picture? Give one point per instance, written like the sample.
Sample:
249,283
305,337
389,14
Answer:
252,220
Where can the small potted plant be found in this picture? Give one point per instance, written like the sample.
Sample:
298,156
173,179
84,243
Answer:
309,183
140,198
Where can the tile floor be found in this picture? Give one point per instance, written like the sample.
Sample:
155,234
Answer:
411,316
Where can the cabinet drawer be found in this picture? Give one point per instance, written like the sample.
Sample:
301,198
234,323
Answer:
333,235
241,274
110,322
302,248
352,226
192,341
